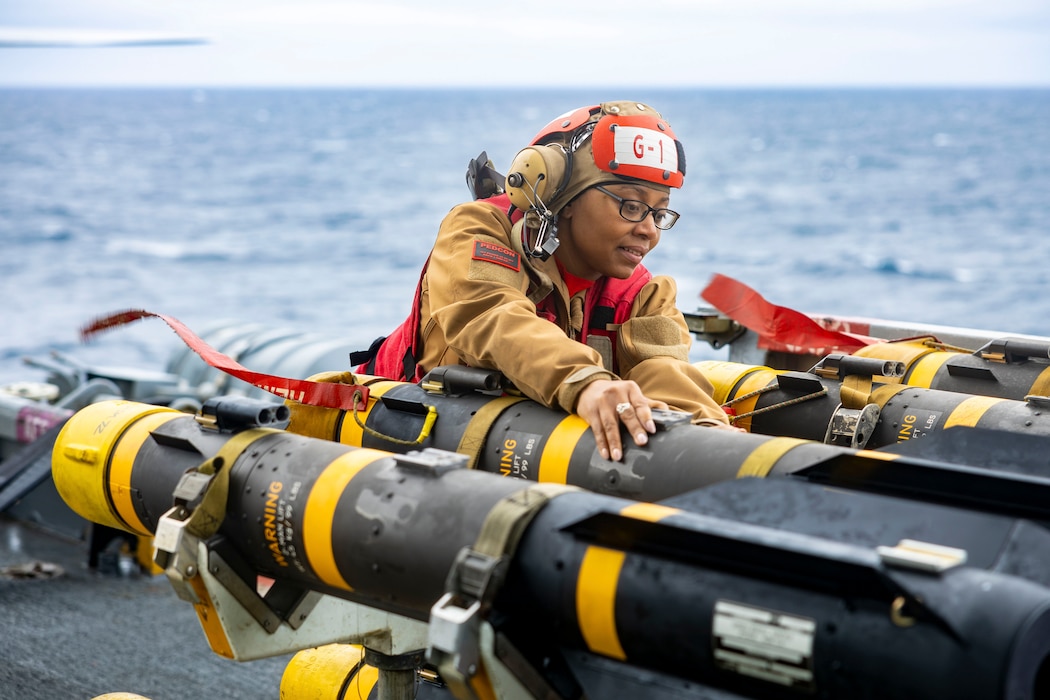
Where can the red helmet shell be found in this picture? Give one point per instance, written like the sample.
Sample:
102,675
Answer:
566,123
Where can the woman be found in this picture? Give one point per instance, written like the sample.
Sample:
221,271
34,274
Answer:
544,281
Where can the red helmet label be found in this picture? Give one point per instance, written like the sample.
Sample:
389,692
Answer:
637,146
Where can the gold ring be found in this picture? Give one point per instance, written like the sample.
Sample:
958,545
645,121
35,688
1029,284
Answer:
621,407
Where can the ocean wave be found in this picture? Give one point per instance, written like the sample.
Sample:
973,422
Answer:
167,250
905,267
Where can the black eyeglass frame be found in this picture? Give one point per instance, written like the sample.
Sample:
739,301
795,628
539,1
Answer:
657,213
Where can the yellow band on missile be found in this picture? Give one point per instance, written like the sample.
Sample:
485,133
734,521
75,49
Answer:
314,421
924,371
764,457
320,509
970,411
752,383
911,353
361,684
122,463
726,375
596,600
83,456
648,511
597,583
557,453
321,421
875,454
353,434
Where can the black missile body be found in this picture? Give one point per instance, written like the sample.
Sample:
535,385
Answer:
1008,367
519,438
671,589
807,405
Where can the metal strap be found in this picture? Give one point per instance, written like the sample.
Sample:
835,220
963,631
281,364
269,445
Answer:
855,391
473,439
206,518
455,620
508,519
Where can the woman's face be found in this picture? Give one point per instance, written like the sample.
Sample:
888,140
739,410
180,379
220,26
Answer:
596,241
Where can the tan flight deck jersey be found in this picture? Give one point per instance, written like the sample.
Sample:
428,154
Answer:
478,307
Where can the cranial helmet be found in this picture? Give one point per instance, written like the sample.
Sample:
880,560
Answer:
614,142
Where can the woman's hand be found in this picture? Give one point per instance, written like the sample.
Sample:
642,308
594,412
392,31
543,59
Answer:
605,403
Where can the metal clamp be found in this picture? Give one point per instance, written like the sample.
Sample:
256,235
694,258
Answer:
1039,402
850,427
175,550
431,461
455,620
452,638
922,556
476,575
666,419
176,541
200,506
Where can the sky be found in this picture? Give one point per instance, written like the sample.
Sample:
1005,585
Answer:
544,43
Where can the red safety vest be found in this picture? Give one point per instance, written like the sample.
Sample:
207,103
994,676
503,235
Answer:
607,304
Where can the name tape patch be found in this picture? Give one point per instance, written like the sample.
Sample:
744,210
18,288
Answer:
489,252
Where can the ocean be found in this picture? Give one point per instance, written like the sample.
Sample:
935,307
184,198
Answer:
314,209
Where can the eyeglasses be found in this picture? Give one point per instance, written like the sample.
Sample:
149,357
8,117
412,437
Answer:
635,211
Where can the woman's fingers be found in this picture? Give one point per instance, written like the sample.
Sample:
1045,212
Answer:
605,404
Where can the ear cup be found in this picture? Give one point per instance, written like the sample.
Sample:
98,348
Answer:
536,176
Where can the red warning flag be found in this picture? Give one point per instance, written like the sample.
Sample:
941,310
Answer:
778,327
328,395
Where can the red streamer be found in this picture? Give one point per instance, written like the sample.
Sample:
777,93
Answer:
778,327
328,395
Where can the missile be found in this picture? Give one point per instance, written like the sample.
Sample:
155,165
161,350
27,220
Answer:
1009,367
833,404
500,431
463,410
558,592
